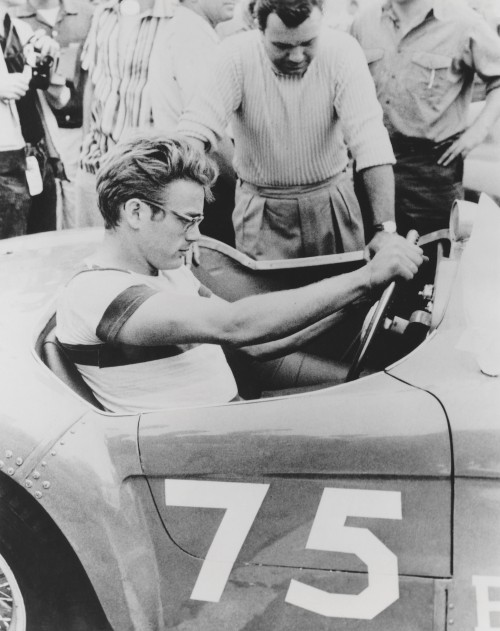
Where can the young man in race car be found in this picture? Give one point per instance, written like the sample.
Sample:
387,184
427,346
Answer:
142,330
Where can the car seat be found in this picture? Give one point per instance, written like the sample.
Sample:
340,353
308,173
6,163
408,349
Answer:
53,356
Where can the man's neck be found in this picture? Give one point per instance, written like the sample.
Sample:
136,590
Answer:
196,8
119,251
411,12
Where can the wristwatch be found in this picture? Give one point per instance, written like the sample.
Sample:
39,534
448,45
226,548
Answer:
386,226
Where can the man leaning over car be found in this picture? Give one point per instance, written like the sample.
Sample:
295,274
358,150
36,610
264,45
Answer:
142,330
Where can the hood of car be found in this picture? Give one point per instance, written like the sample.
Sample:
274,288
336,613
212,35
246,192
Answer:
460,363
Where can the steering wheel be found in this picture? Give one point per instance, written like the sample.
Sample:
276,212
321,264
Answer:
375,323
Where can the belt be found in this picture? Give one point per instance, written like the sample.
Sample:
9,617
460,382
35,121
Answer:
285,192
409,145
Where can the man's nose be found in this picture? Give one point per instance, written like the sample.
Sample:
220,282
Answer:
193,233
296,55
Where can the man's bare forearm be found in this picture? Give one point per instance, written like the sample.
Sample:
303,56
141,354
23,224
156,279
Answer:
265,317
274,316
379,186
253,320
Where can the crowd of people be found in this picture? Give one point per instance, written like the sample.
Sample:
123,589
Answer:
313,140
307,153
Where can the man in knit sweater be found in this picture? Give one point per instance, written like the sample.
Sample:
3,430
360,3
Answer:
295,96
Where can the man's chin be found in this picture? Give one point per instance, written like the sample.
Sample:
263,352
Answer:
297,71
179,261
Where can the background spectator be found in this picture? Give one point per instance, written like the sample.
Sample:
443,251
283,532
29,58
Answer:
68,22
116,56
30,58
291,119
423,56
181,58
15,198
242,20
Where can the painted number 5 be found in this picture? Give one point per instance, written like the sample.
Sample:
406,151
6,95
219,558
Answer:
330,533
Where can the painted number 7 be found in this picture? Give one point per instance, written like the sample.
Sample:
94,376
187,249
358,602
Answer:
242,502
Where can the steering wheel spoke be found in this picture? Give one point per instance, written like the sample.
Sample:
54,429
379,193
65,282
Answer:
375,324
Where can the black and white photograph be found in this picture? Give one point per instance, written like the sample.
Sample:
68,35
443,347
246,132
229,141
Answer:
250,315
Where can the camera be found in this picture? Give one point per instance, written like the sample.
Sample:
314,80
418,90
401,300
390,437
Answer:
40,79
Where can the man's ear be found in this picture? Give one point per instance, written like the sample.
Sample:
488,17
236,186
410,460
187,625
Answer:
134,212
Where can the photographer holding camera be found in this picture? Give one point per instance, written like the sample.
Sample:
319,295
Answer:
28,159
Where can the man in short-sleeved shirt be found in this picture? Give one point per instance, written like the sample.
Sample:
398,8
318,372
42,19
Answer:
142,330
423,56
94,307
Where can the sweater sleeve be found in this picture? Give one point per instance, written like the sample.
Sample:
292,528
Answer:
219,95
359,111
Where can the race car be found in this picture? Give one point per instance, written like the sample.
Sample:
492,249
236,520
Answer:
370,505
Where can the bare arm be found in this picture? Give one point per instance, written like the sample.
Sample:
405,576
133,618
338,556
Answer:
267,317
379,185
251,320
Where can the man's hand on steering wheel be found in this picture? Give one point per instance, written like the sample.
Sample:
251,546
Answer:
398,259
380,239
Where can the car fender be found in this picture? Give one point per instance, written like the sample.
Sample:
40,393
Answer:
94,465
66,454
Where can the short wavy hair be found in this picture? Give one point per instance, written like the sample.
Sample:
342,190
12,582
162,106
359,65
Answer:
142,166
291,12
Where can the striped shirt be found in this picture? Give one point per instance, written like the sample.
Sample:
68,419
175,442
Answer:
425,79
290,130
119,75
